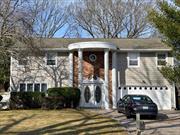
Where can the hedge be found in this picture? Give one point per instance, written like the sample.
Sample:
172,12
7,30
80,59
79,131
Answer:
57,98
26,100
1,97
71,96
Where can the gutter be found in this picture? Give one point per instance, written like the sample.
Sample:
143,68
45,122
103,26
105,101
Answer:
144,50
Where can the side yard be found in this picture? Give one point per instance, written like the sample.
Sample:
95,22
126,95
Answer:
61,122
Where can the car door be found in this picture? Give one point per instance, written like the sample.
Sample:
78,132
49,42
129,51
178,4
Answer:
126,103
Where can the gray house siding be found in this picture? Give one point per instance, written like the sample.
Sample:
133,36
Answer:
145,79
36,71
146,74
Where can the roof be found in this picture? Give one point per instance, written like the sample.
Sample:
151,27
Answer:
122,44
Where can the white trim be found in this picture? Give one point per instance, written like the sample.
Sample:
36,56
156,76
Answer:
92,44
54,53
138,60
80,68
10,78
143,50
114,79
71,68
157,58
106,79
26,83
56,49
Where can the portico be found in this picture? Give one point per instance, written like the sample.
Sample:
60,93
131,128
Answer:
99,84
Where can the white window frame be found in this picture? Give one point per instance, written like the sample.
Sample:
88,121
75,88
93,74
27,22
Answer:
138,59
166,59
26,83
39,86
25,87
55,53
19,65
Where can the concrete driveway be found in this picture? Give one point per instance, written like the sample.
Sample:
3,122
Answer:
167,122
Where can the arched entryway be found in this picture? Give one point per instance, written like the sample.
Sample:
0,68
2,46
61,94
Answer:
102,56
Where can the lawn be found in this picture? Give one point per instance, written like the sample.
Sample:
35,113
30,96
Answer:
60,122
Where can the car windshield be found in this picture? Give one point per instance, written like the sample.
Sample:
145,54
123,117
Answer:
144,99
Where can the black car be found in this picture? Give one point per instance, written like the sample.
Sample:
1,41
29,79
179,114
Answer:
132,104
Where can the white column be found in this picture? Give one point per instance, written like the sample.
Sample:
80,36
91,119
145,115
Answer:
80,74
114,79
173,96
106,79
71,69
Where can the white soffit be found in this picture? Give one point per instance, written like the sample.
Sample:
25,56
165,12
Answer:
92,45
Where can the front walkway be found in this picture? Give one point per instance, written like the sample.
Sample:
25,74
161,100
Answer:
167,122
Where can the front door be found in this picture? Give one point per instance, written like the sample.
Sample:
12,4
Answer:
91,95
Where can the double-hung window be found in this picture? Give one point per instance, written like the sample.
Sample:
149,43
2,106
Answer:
51,59
37,87
22,61
43,87
22,87
161,59
133,59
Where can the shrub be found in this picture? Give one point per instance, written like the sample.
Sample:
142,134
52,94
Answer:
53,103
1,97
70,95
26,100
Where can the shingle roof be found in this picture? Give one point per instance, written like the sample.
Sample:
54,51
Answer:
151,43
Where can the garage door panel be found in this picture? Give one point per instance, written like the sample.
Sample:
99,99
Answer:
161,95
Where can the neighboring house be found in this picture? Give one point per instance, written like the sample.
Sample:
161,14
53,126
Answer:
104,70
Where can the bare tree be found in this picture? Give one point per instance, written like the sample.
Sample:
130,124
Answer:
112,18
8,22
136,23
24,23
46,17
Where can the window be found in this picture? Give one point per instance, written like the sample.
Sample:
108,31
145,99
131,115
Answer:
33,87
92,57
30,87
22,87
43,87
22,62
133,59
161,59
37,87
51,58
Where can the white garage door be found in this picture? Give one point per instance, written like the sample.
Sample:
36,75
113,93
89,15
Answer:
161,95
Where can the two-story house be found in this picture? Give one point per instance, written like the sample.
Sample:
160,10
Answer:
104,70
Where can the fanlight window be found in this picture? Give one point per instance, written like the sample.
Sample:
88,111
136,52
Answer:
87,94
98,94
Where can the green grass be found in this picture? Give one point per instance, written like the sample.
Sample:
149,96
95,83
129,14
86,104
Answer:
60,122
